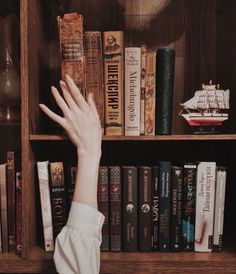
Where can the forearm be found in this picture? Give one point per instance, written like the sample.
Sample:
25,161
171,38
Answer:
87,180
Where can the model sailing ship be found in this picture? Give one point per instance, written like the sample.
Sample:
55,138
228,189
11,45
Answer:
208,107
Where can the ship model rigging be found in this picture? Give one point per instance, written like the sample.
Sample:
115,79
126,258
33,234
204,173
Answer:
207,108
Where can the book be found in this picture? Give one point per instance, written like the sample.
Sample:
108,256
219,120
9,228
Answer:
176,208
164,89
132,91
221,174
58,196
155,208
188,206
150,93
145,209
18,213
130,208
46,208
205,199
165,205
71,184
70,29
143,89
94,70
3,206
113,50
115,208
103,205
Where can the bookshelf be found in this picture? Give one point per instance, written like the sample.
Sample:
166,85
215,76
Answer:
203,34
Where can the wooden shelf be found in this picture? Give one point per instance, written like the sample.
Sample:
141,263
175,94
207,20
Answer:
219,137
118,262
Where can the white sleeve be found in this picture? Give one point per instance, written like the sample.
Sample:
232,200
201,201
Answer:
77,248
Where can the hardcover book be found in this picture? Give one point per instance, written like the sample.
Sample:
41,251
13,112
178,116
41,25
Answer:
150,93
219,208
58,196
165,206
130,208
113,81
103,205
18,213
71,183
132,91
143,88
176,209
115,207
188,206
3,206
205,199
46,208
94,70
70,28
145,209
155,208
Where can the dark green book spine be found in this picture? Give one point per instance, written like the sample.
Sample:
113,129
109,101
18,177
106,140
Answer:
130,208
165,206
165,67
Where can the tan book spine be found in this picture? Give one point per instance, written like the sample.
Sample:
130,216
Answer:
70,28
132,91
143,88
3,206
150,93
94,70
113,81
46,208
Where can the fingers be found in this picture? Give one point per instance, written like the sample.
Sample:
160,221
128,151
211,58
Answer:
67,95
58,119
93,106
76,94
60,102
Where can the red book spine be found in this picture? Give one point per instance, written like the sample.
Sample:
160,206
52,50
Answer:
18,214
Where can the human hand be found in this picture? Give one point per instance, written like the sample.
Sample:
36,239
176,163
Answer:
81,120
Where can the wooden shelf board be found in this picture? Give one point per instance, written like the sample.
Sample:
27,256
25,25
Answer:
223,137
123,262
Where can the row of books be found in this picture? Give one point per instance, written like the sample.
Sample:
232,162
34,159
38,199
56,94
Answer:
162,208
132,86
11,204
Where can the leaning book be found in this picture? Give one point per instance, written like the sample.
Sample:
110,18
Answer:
45,205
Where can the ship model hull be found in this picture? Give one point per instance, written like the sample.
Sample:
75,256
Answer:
198,119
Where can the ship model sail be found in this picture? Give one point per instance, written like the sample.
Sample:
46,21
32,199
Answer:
208,107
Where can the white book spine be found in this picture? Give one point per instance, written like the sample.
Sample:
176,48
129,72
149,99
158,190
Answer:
45,205
219,208
205,198
132,91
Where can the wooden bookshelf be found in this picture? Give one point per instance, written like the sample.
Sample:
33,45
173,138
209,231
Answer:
204,36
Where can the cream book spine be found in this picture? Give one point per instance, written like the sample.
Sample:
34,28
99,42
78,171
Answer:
205,199
45,205
132,90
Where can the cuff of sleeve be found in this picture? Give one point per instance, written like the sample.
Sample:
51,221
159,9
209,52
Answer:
85,218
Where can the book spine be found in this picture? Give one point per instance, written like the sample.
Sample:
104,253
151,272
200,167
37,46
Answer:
94,70
70,28
46,207
150,93
0,234
113,81
103,205
71,183
132,91
205,199
176,209
115,207
145,205
3,206
188,206
219,208
164,89
155,208
143,88
130,208
11,192
58,197
18,213
165,206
